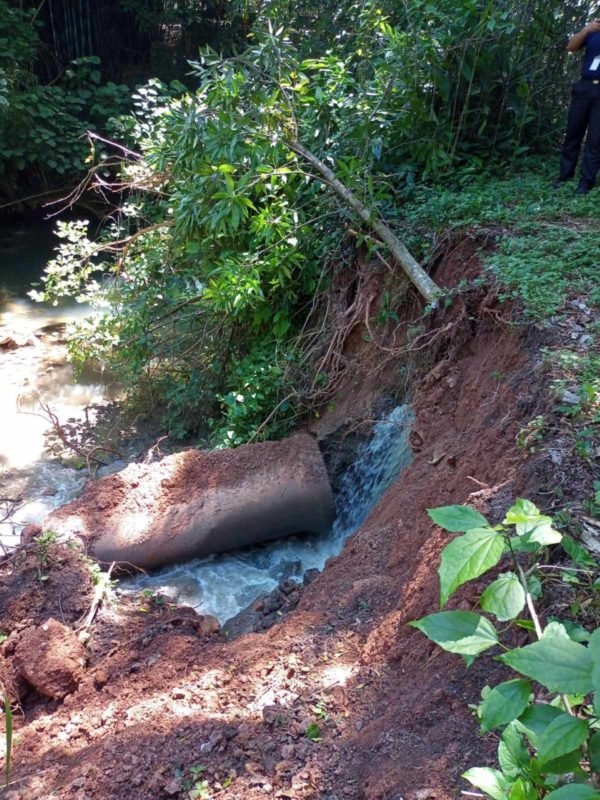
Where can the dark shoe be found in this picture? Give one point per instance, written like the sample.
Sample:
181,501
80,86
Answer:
583,189
558,183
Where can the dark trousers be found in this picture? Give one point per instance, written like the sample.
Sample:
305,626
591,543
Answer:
584,114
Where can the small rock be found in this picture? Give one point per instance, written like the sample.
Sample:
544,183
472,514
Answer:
51,659
29,533
101,677
273,715
571,398
288,586
273,602
14,341
556,456
207,625
310,575
172,788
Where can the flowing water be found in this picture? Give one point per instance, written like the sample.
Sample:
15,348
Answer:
223,585
34,372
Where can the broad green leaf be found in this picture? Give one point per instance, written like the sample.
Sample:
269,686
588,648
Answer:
459,632
513,756
594,649
521,511
525,516
574,791
503,703
490,781
563,735
523,790
542,535
505,597
561,765
468,557
536,719
558,664
534,585
555,630
457,519
575,632
594,752
578,553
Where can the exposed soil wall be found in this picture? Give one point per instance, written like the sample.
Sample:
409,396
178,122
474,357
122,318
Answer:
389,711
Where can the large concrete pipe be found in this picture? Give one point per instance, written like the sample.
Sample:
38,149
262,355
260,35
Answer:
195,503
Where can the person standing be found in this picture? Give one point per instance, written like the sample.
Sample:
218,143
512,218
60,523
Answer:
584,112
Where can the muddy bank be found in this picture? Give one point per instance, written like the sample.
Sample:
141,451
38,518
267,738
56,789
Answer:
341,700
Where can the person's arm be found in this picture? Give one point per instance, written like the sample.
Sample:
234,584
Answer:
577,41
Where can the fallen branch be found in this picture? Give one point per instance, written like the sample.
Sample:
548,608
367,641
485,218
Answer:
51,417
417,275
101,589
264,424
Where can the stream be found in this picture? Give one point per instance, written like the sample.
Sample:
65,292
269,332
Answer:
225,584
32,479
220,585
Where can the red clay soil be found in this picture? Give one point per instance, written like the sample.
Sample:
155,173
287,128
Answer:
164,707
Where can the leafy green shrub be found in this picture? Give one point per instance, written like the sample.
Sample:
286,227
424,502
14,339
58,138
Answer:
43,126
257,383
226,235
546,243
547,717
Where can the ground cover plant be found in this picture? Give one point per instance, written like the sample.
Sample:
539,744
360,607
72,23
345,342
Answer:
540,245
547,718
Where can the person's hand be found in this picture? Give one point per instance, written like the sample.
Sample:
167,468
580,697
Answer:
593,26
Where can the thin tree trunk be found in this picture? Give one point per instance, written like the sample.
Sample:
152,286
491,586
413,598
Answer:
420,279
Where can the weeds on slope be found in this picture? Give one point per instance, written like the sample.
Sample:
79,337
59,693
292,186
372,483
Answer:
546,242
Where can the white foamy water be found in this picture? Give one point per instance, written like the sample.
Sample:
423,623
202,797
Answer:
224,584
49,486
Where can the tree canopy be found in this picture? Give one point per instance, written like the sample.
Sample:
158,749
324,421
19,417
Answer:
297,137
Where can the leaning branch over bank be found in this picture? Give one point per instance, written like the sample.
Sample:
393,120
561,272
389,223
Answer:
420,279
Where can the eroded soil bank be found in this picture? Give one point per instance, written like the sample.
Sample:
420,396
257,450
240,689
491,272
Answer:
340,700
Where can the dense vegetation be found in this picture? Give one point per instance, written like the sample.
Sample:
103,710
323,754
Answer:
67,68
212,276
246,161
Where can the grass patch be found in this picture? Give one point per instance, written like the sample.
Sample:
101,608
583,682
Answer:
547,241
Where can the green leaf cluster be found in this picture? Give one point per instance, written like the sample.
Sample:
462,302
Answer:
43,125
544,742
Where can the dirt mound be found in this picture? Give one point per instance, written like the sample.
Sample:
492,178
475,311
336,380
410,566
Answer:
51,659
41,580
